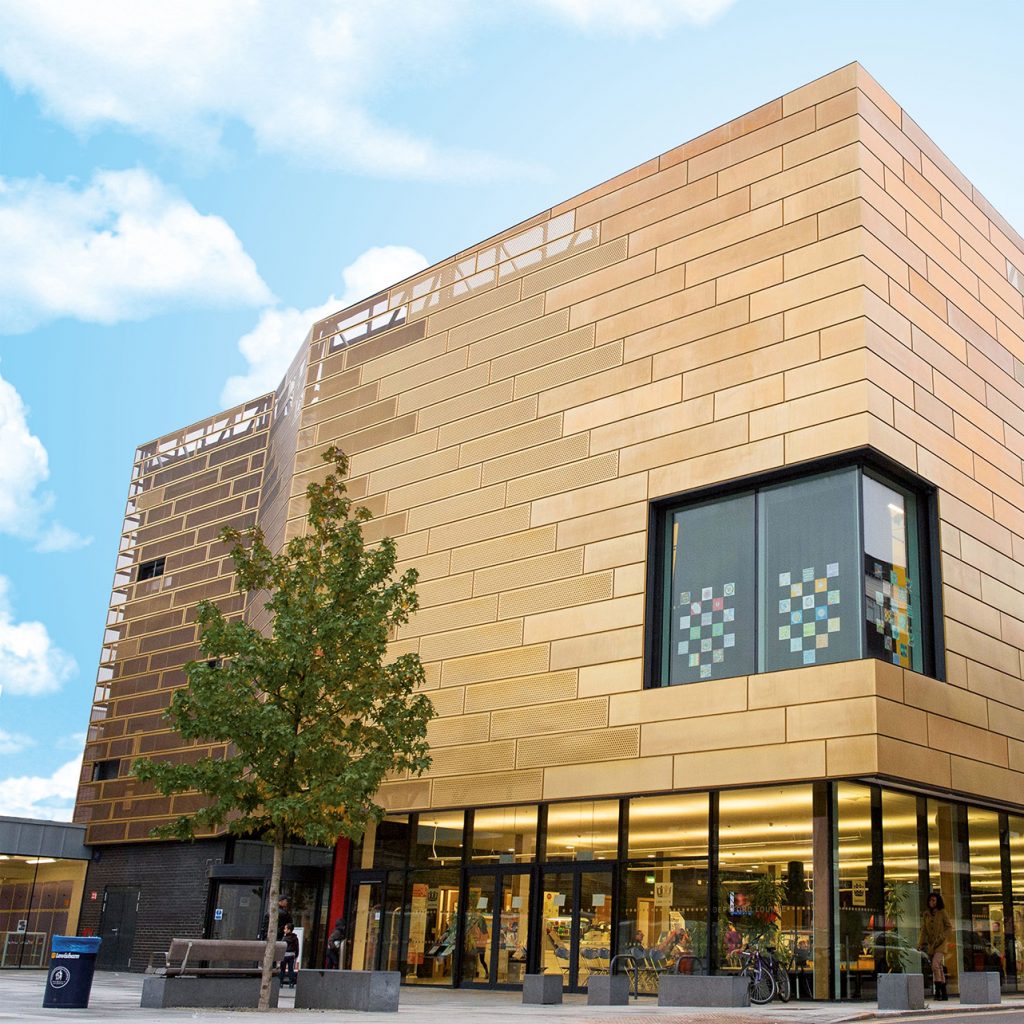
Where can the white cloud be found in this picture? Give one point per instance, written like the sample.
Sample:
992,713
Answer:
122,247
298,75
635,15
30,663
271,345
14,742
37,796
24,467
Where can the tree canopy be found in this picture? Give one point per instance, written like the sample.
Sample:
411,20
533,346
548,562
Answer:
314,715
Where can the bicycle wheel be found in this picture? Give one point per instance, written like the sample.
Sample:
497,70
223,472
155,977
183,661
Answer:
782,986
762,985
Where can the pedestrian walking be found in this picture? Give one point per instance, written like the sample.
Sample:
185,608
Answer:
936,934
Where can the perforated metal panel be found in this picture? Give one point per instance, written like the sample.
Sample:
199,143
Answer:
500,788
544,352
495,665
527,571
551,376
491,637
447,702
551,718
577,748
504,549
543,456
519,337
564,478
557,594
444,732
471,308
522,691
576,266
511,440
497,322
476,757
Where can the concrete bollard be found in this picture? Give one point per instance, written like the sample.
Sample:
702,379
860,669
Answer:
901,991
542,989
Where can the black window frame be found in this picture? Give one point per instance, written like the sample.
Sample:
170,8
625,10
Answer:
106,769
866,459
151,569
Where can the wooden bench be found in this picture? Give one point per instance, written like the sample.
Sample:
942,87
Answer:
207,972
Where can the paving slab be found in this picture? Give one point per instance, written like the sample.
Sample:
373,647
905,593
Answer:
115,998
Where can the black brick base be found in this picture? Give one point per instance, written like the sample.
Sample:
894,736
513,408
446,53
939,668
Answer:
174,886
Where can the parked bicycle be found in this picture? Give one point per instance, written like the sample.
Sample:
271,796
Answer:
767,975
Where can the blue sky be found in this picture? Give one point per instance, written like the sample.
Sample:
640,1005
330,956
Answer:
178,179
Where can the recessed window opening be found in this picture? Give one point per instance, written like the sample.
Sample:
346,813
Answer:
151,569
823,568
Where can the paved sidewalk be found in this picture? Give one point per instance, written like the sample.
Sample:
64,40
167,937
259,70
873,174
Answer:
115,997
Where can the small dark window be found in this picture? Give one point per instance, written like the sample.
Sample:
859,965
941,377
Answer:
151,569
103,771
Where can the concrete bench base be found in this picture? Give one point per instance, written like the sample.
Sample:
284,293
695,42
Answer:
368,991
980,988
542,989
159,993
901,991
608,990
703,990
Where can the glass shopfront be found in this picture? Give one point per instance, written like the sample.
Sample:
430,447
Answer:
833,876
39,898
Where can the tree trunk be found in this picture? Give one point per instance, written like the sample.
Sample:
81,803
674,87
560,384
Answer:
275,893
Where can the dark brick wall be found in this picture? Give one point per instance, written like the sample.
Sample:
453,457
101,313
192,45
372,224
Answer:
174,884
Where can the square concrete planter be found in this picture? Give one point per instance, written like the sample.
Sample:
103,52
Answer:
980,988
703,990
608,990
223,993
542,989
367,991
901,991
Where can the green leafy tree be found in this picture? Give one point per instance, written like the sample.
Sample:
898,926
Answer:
313,715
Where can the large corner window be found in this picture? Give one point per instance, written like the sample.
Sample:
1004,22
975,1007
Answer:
812,570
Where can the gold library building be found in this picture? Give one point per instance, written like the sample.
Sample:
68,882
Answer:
713,479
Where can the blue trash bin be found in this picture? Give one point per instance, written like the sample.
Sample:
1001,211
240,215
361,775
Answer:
72,963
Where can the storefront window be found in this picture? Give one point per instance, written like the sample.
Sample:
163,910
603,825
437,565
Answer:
789,558
859,894
766,877
504,835
585,830
430,949
902,893
1016,842
39,898
946,871
668,826
384,845
438,839
985,941
665,884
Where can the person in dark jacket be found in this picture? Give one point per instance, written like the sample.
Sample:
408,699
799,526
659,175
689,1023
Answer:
336,945
291,956
284,916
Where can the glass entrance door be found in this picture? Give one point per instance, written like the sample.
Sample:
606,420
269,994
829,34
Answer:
366,931
576,926
238,910
497,928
